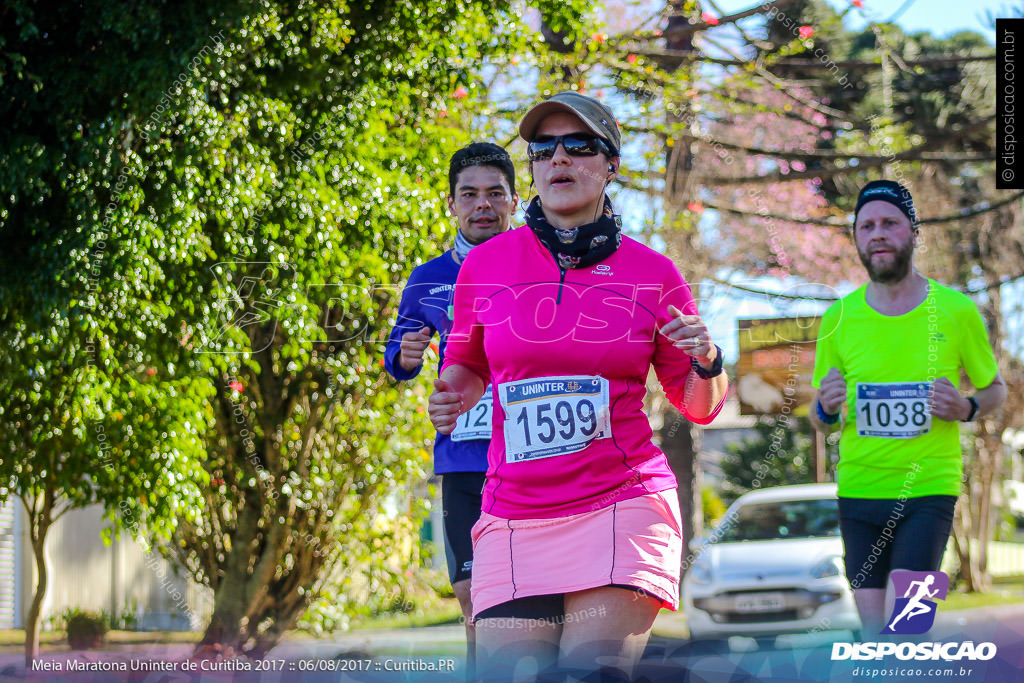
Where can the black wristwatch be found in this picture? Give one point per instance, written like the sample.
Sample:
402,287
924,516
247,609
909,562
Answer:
974,409
716,367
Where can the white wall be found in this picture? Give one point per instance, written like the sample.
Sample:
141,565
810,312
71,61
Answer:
10,559
87,574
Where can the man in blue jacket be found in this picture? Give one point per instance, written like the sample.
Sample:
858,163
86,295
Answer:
482,197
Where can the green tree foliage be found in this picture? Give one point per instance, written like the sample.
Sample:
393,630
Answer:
84,418
780,454
223,197
714,508
79,427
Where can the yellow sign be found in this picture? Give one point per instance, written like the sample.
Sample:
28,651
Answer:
776,364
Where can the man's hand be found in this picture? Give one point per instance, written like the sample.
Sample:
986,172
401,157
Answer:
689,333
947,403
413,346
444,407
832,393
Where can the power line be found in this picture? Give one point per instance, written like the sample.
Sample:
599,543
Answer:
970,212
903,8
795,297
798,63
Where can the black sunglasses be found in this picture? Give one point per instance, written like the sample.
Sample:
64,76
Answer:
574,144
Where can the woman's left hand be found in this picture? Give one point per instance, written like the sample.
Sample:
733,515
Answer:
689,333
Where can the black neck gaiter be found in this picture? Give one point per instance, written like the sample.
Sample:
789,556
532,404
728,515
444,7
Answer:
581,246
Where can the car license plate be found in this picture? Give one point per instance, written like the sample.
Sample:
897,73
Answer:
759,602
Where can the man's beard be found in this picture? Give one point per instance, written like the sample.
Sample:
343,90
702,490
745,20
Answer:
894,271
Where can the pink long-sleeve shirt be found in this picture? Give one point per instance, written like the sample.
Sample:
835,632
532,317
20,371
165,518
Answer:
515,318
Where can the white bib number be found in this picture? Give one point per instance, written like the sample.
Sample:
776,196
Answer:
893,410
550,416
475,423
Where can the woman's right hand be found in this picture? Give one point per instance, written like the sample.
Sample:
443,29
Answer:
444,407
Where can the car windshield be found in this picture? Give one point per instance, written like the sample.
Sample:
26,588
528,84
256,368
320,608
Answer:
780,519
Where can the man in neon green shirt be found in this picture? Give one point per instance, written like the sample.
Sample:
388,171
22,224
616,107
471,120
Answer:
887,367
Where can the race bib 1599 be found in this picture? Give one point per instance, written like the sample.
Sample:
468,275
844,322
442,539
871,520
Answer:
475,423
893,410
550,416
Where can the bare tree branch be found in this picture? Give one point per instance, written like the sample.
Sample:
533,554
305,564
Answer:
796,297
686,31
795,63
976,210
913,154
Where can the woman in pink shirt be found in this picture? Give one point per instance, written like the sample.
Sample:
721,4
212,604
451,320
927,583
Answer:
579,543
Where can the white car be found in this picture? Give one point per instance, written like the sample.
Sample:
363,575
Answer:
773,565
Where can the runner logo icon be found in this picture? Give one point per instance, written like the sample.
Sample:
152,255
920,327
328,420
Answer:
914,612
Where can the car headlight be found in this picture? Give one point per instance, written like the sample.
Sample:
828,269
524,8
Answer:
830,566
700,572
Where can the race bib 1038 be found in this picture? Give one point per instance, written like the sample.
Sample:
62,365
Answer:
475,423
551,416
893,410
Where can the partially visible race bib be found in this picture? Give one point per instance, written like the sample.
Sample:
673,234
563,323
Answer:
550,416
893,410
475,423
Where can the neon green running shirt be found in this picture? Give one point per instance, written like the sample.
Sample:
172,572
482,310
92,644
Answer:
894,359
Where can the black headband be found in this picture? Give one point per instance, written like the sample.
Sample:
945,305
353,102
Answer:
891,192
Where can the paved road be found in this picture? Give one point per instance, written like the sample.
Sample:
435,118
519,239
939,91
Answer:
433,654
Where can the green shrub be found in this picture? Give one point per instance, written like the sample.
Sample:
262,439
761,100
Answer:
714,508
85,629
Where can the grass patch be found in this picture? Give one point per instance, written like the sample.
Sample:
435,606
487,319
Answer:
13,640
671,625
11,637
442,611
1002,593
147,637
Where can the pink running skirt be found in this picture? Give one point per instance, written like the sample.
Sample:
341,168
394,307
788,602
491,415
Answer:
636,542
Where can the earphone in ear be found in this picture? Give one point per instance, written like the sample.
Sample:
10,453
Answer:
611,168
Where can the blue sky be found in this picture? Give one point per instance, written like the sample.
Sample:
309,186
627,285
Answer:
941,17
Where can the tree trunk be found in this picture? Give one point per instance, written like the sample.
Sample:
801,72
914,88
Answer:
990,455
680,440
973,523
39,526
245,601
285,618
230,601
249,595
975,520
969,570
